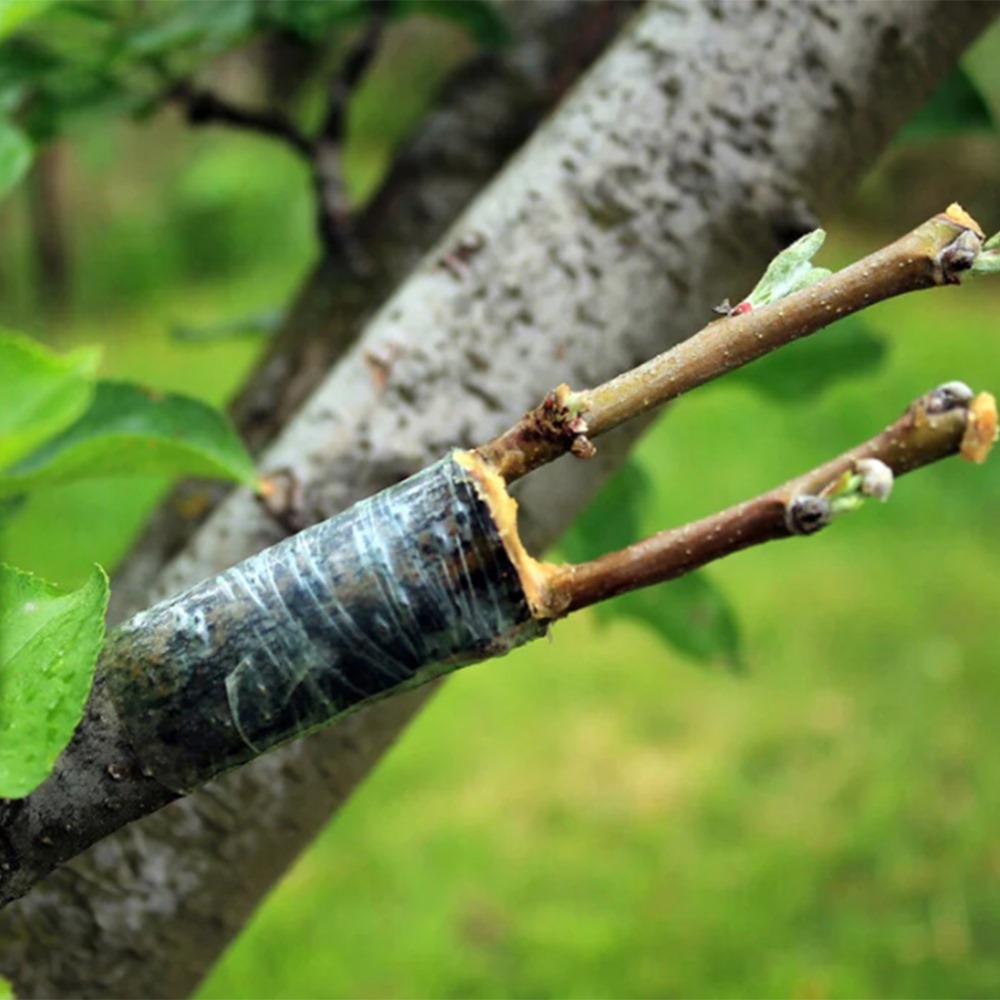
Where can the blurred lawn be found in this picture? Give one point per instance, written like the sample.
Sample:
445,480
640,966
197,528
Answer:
596,817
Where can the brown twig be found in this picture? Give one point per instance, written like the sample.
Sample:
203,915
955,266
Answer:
934,253
943,422
202,107
333,209
322,151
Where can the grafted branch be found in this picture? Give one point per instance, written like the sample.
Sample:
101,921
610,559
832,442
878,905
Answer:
935,253
426,577
951,419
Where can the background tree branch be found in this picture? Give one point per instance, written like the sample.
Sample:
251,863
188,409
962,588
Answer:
697,145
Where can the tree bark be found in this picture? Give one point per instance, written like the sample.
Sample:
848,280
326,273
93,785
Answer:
708,135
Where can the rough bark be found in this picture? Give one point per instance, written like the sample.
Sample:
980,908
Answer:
709,134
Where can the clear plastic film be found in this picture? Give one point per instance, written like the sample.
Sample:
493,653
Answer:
398,589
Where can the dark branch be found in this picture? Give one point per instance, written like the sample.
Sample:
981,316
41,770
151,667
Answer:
202,107
334,221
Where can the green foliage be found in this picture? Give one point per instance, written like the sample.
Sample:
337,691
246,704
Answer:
988,259
62,64
310,20
130,431
15,13
790,271
689,613
49,642
800,372
43,393
955,108
59,425
479,17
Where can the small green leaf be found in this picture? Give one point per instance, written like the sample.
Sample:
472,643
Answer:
690,614
6,993
955,108
801,371
130,431
206,26
988,259
987,262
14,13
16,153
43,393
49,643
790,271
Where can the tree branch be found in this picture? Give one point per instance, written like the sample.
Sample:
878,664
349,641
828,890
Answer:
946,421
202,107
332,208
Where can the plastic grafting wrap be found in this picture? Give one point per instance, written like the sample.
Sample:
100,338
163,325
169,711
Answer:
395,591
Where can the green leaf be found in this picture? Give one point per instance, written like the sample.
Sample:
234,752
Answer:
6,993
689,613
790,271
209,26
130,431
16,153
955,108
801,371
614,517
480,18
49,643
14,13
43,393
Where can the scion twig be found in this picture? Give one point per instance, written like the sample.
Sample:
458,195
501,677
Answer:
934,253
946,421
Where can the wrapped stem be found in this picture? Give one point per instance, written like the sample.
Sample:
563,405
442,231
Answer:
397,590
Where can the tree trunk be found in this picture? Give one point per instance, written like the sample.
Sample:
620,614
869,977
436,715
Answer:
706,136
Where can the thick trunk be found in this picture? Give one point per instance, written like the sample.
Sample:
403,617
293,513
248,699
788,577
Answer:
706,136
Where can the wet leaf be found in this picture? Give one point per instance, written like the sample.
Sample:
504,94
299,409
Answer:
49,643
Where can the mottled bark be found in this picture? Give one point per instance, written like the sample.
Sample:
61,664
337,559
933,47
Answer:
708,134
